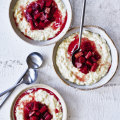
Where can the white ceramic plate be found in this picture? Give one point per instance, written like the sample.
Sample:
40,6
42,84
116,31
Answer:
41,43
41,86
114,55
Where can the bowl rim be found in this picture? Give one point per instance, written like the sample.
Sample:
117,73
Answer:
88,26
63,104
43,41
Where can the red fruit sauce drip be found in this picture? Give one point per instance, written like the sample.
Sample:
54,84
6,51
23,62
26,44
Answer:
56,111
62,26
35,110
87,59
82,79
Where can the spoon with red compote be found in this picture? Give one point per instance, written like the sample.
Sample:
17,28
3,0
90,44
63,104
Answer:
80,34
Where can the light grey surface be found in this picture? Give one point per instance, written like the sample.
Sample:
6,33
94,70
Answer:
100,104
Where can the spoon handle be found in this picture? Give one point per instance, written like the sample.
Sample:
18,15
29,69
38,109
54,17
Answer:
82,22
5,97
1,94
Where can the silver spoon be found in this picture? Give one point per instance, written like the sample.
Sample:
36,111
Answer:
80,34
34,61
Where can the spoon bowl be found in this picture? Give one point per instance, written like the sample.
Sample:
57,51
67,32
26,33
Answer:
30,76
34,60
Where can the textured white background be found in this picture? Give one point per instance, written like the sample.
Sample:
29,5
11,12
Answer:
99,104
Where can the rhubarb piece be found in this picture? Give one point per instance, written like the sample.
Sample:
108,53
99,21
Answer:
53,9
97,55
41,25
89,54
32,25
43,109
47,10
36,12
88,63
35,6
26,112
36,106
84,70
93,59
78,65
28,17
38,113
82,60
34,118
46,22
85,53
47,116
31,113
36,24
37,16
41,3
42,16
48,3
79,54
46,17
30,105
94,67
29,10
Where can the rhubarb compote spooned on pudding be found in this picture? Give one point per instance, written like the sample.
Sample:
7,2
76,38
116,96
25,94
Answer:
40,19
38,104
92,62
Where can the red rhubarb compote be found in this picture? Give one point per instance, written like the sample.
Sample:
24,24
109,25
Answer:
42,13
32,109
36,111
87,59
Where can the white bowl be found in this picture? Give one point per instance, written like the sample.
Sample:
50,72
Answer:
46,87
114,55
44,42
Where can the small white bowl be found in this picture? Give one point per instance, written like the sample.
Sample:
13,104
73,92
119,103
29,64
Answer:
114,55
44,42
41,86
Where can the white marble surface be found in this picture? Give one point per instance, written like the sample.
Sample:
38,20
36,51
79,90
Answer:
99,104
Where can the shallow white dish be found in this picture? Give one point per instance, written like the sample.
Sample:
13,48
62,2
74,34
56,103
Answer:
41,86
114,55
45,42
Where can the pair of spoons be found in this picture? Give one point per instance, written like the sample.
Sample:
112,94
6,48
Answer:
34,61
